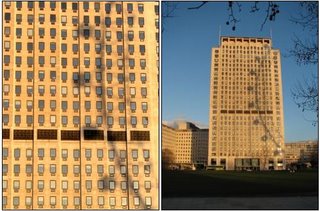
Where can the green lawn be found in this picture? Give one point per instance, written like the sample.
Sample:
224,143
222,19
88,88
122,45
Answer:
240,184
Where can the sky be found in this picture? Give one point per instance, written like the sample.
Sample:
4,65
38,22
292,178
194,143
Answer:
187,39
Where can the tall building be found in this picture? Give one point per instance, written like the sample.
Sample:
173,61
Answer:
80,105
246,110
188,143
301,152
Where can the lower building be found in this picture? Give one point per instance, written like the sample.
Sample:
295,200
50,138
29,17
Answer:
301,152
188,143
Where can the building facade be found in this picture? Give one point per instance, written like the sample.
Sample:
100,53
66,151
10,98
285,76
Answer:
246,110
80,105
188,142
301,152
169,143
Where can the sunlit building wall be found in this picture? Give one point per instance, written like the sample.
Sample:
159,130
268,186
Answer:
301,151
246,110
80,105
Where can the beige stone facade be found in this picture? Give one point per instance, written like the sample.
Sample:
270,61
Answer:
246,110
169,140
301,151
189,143
80,105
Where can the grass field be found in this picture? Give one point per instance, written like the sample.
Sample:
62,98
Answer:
239,184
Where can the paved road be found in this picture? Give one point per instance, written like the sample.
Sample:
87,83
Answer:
241,203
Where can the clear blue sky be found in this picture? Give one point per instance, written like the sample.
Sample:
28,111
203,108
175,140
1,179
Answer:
187,40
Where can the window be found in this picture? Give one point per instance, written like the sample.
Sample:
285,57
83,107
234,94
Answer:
16,201
119,49
121,92
53,32
133,106
131,65
99,153
85,5
88,169
141,21
64,201
97,20
144,92
121,121
16,169
89,200
64,153
41,32
98,105
76,185
100,169
40,182
30,19
18,32
53,153
146,154
40,153
40,171
110,120
148,201
74,6
135,169
145,121
41,48
118,8
74,20
88,184
18,46
136,201
100,200
76,169
119,35
124,201
123,185
7,45
17,154
41,104
111,169
100,184
107,21
109,91
112,185
63,19
88,153
111,154
142,49
17,119
7,31
142,63
52,200
134,154
147,185
129,7
6,59
107,7
130,21
52,168
147,169
119,22
132,91
108,35
63,5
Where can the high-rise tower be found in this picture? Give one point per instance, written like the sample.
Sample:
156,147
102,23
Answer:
246,110
80,105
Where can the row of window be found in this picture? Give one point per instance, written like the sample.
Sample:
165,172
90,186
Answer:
64,19
75,105
75,120
76,153
137,201
76,169
75,61
87,91
86,76
75,33
86,6
101,185
75,47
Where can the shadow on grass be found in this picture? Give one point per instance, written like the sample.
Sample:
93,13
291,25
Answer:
238,184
